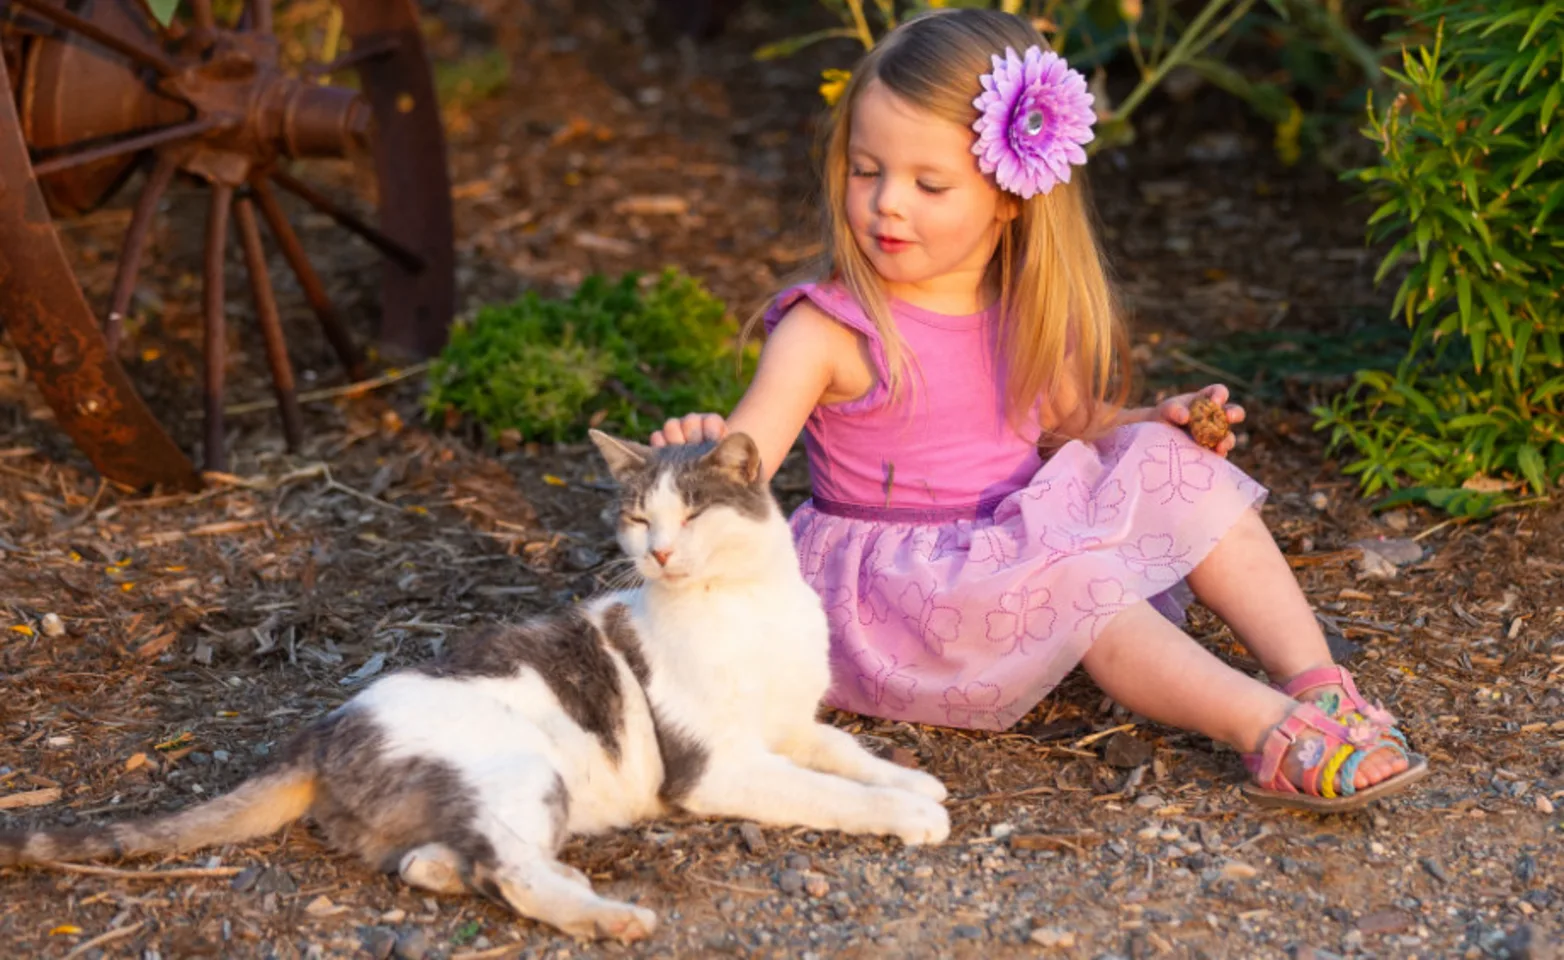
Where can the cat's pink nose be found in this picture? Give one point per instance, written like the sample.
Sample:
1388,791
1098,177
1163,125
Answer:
661,556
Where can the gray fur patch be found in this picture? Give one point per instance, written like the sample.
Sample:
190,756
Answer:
557,800
621,633
684,761
380,808
701,482
567,651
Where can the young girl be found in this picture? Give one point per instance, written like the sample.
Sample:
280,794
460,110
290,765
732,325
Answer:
964,321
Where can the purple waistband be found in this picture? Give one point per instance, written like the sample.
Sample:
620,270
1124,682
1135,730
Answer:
981,510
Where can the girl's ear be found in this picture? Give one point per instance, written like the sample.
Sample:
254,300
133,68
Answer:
1009,207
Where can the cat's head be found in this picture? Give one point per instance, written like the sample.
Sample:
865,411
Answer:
691,513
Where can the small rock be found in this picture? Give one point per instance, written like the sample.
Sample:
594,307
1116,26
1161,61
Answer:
411,945
1238,870
1435,869
275,880
966,931
393,916
1150,801
52,625
579,558
1053,937
815,885
199,759
1000,831
1519,944
1151,832
1318,500
378,942
1397,520
1126,751
322,906
245,879
1386,921
754,839
790,881
798,861
1543,804
1314,953
221,756
1376,848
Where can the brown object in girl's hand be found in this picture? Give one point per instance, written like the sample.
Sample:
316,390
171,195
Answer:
1207,422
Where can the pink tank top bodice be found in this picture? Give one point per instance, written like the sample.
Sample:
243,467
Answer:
946,442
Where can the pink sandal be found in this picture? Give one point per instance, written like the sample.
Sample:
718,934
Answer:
1330,763
1356,711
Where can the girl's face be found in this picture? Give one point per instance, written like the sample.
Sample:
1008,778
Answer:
919,208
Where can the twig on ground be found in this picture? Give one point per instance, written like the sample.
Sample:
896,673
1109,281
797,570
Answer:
330,393
1455,521
118,933
179,873
755,891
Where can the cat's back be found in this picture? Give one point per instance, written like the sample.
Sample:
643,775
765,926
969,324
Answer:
557,689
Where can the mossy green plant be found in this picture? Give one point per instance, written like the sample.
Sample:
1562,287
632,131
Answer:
622,354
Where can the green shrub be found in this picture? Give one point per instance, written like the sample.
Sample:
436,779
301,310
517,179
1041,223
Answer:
624,355
1469,182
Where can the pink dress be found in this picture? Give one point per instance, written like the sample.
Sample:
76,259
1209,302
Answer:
963,576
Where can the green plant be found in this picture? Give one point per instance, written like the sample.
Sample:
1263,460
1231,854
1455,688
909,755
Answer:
1469,181
1315,42
624,355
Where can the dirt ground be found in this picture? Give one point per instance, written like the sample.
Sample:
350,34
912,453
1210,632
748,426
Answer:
154,650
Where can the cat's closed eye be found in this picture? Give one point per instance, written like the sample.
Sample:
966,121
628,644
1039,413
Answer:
634,520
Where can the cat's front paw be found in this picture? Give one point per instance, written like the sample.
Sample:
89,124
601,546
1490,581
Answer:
917,819
923,784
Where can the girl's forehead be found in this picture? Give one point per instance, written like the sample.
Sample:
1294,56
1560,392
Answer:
889,126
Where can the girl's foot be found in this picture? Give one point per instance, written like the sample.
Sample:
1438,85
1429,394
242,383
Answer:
1331,689
1310,761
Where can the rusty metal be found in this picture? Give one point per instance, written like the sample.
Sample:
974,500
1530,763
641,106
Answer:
50,324
105,91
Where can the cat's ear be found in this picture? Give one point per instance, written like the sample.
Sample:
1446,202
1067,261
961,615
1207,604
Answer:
622,456
737,456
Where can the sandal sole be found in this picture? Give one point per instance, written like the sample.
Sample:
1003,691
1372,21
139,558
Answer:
1416,770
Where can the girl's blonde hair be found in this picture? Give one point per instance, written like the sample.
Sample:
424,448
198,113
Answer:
1059,318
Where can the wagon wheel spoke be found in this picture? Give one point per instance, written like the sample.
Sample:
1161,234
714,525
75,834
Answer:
259,15
216,339
271,323
349,220
202,16
102,151
128,49
358,56
314,291
134,245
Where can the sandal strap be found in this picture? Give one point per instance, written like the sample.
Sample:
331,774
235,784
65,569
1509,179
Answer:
1330,773
1337,675
1266,764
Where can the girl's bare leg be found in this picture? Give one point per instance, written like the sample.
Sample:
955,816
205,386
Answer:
1246,581
1151,667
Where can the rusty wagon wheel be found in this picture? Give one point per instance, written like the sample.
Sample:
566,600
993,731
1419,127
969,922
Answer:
93,90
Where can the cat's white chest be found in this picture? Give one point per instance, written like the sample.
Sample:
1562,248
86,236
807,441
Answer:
750,663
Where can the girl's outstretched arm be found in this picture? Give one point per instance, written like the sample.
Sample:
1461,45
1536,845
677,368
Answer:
808,359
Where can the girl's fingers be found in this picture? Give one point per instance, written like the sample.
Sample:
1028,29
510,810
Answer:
1235,413
672,433
1217,392
714,427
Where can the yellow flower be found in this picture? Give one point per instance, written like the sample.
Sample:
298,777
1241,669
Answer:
1130,10
835,83
1287,147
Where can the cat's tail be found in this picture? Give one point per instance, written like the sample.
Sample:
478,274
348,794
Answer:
257,807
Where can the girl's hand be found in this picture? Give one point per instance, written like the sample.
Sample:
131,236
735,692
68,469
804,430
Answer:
692,428
1175,410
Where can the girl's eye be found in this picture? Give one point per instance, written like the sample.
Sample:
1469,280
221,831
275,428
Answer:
861,172
931,189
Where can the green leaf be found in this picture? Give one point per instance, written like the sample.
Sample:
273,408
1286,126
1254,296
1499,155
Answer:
791,45
163,10
1530,462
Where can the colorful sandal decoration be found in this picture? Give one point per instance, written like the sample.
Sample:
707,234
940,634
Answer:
1330,763
1361,712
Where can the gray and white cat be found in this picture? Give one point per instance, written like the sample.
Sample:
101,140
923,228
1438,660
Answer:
697,690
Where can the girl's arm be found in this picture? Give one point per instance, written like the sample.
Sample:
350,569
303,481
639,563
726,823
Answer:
1067,419
801,366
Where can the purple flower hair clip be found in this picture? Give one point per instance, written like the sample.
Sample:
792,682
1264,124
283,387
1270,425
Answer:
1034,117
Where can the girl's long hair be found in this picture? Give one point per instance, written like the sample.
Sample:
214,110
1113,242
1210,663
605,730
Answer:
1059,317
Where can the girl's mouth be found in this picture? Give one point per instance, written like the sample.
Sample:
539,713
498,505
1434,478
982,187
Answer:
892,244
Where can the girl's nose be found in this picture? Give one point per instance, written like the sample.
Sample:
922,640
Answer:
887,200
661,556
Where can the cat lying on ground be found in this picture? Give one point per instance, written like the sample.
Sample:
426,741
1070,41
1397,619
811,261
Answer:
697,690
